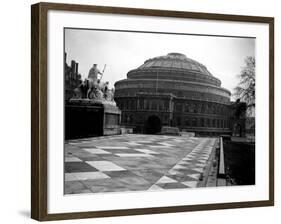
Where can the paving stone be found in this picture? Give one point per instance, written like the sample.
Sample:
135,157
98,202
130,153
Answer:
71,167
175,185
89,175
190,184
96,151
155,187
105,165
72,159
165,179
135,163
151,175
71,187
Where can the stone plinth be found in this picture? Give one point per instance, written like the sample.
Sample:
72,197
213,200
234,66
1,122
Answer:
111,120
88,118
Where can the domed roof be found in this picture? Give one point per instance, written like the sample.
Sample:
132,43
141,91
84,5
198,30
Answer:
175,61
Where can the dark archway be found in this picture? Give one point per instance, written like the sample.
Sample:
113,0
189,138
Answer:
153,125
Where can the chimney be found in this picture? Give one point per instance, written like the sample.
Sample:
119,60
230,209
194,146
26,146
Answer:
73,66
76,68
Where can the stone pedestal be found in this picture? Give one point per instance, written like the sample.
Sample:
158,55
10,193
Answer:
111,120
87,118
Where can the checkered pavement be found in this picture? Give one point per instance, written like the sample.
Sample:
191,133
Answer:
135,163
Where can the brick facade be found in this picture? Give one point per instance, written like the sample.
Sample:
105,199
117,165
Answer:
72,78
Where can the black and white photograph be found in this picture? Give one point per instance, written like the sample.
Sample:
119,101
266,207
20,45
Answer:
148,111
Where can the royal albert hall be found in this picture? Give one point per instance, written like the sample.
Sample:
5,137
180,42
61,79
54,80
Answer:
174,90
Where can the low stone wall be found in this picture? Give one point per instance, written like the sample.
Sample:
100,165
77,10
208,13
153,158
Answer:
88,119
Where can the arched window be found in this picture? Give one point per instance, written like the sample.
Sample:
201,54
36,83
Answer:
202,122
203,110
209,108
207,122
218,110
153,105
199,107
178,121
161,105
194,122
186,108
186,122
191,107
195,110
141,104
125,118
213,109
126,105
166,105
179,107
131,119
146,105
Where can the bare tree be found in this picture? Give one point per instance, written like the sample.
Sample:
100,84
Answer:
245,91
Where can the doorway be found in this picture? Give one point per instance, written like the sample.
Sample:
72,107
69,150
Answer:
153,125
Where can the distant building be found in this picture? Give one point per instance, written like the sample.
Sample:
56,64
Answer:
71,78
173,90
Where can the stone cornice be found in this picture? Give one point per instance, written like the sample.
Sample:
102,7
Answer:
162,84
172,72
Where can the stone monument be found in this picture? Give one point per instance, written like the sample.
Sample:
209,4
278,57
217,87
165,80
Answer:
92,110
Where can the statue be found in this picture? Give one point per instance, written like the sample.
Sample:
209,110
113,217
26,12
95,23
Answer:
93,73
108,93
93,78
81,91
92,98
93,88
95,91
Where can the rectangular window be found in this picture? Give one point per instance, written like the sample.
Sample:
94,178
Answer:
179,121
179,107
186,108
194,122
202,122
208,122
153,105
141,104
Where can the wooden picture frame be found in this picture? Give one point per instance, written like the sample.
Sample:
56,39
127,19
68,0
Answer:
39,109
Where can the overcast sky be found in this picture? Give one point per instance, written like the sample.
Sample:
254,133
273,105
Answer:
123,51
